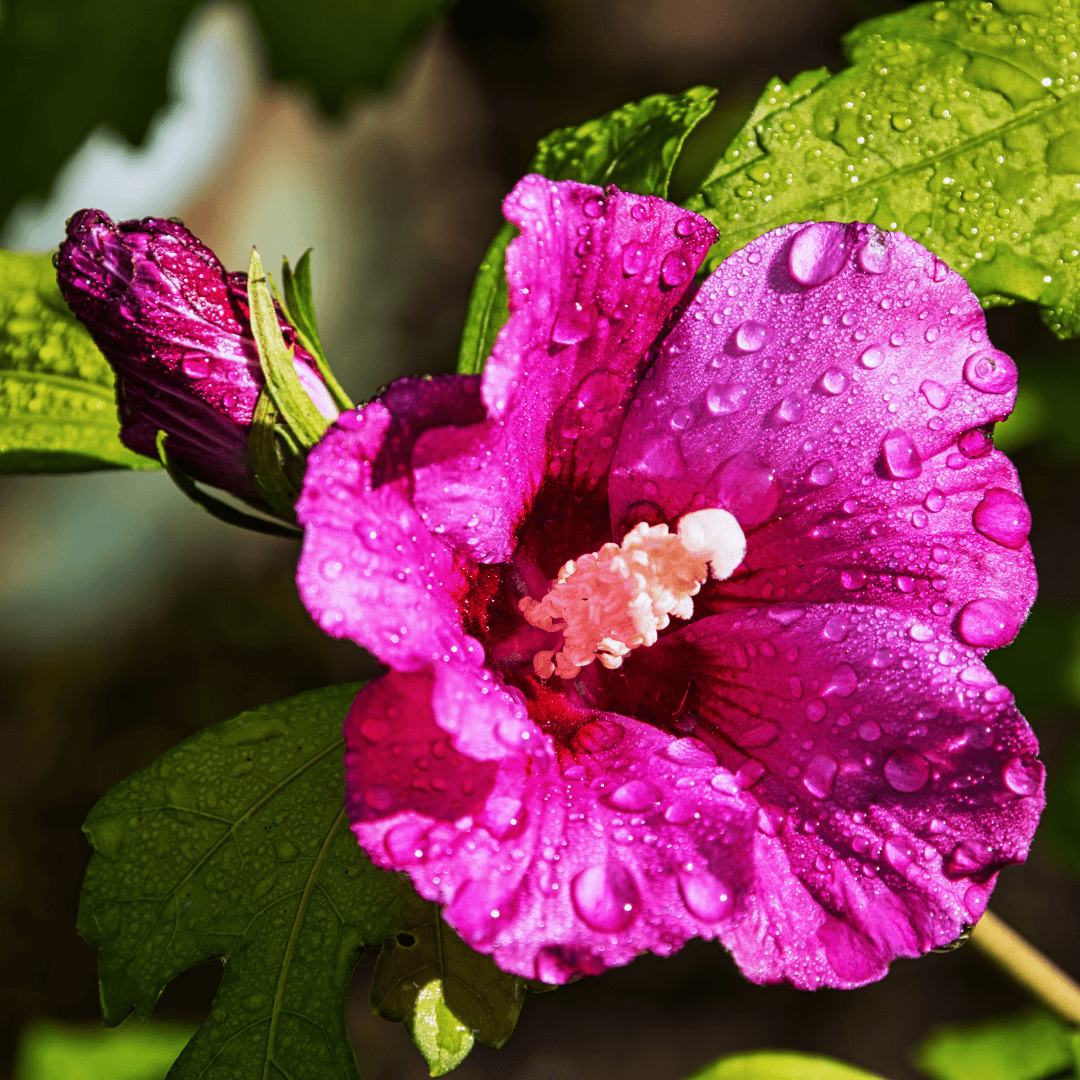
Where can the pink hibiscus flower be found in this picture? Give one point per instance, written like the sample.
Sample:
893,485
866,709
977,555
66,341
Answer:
685,602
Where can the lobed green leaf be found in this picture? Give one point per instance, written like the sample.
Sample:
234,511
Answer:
958,123
234,844
1030,1047
634,147
57,405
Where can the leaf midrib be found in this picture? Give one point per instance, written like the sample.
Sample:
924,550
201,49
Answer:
61,382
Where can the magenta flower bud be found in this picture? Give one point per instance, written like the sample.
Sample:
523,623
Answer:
175,327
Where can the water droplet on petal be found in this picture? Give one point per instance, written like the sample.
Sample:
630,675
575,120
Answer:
941,270
600,390
404,842
1003,517
921,632
690,752
822,473
988,623
1023,775
936,395
674,269
752,336
378,797
819,776
770,820
990,371
593,207
975,900
749,774
722,400
842,682
634,259
197,367
503,817
968,857
869,731
975,443
818,253
790,410
705,897
934,501
872,357
907,771
606,897
901,457
873,254
836,629
637,795
374,729
898,853
686,226
816,710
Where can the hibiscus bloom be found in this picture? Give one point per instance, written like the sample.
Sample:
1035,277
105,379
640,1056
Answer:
175,326
685,602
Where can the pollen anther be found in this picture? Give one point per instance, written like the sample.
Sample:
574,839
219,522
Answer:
618,598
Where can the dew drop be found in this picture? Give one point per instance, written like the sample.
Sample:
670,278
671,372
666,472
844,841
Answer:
907,771
573,325
749,774
197,367
836,629
634,259
606,897
686,226
901,458
790,410
990,371
1003,517
681,419
822,473
593,207
869,731
637,795
842,682
598,736
816,710
967,858
722,400
704,896
834,381
690,752
920,631
819,776
934,501
873,254
752,336
600,390
770,820
1023,775
674,269
378,797
975,443
936,395
817,254
872,357
987,623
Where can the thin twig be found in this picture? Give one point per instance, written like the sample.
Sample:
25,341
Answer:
1026,964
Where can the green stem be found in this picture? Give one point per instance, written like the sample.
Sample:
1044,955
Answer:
1027,965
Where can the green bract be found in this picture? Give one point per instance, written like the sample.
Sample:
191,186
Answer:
57,405
235,844
958,124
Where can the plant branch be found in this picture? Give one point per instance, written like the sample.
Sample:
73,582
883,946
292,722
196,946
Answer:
1028,966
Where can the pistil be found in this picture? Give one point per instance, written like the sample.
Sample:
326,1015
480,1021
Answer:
618,598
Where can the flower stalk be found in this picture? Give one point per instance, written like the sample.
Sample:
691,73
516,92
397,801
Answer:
1027,965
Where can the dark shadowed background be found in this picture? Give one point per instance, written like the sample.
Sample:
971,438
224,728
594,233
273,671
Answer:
129,620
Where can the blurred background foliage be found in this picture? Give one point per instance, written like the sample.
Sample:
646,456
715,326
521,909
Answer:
129,620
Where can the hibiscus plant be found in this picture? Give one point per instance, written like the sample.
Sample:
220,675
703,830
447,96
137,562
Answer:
683,584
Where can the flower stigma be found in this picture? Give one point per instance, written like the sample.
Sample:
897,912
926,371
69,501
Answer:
615,599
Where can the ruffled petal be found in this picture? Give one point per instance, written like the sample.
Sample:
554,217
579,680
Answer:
593,278
370,570
883,754
819,364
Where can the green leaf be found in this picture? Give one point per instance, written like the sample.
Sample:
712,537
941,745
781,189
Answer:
54,1050
1027,1047
116,67
634,147
956,124
299,308
780,1065
57,406
234,844
468,987
276,358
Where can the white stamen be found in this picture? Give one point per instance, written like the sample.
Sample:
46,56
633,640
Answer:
613,600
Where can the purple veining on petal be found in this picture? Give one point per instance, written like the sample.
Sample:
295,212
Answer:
175,328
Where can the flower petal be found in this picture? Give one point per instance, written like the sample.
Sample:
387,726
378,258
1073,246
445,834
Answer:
893,768
777,386
370,570
593,277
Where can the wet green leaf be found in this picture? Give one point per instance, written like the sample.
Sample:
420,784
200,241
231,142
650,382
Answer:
57,406
1029,1047
780,1065
957,123
428,977
234,844
634,147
